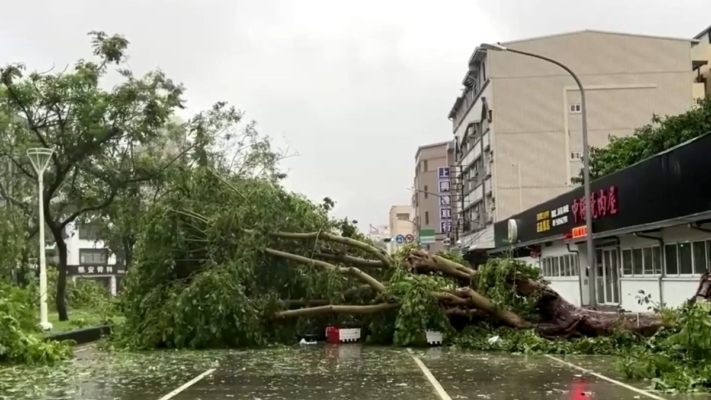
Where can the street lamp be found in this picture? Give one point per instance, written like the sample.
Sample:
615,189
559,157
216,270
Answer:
40,158
586,160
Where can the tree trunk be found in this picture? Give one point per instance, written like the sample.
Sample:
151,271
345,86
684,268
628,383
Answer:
60,299
128,243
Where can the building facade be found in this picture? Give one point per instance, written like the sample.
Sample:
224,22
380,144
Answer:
517,125
650,248
701,53
433,197
88,257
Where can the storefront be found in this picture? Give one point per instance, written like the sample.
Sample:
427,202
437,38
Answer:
652,232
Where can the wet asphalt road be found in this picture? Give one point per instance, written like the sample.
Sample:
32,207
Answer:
324,372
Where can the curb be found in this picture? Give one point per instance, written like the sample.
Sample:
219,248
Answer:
82,336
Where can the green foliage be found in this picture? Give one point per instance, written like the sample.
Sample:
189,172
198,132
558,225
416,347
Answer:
661,134
101,133
419,310
200,277
493,281
680,358
84,294
20,338
485,338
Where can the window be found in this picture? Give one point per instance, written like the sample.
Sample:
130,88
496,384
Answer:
627,262
93,256
657,260
688,258
560,266
403,216
424,166
426,191
427,217
647,253
685,260
670,260
576,155
699,251
641,262
89,232
556,268
637,262
576,108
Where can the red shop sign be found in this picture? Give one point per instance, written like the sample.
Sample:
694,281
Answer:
602,202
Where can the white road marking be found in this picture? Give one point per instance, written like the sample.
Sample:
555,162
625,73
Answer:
433,381
624,385
187,385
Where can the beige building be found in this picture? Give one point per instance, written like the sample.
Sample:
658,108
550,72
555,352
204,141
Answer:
517,124
433,199
701,54
400,221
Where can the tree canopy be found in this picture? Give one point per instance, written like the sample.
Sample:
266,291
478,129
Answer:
661,134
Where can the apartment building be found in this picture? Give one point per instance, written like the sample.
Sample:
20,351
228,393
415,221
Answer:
433,198
701,54
517,124
400,220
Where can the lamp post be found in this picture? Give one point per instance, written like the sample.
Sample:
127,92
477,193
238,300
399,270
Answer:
586,161
40,158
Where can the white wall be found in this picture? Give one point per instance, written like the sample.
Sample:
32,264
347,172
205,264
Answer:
74,244
568,287
672,290
662,288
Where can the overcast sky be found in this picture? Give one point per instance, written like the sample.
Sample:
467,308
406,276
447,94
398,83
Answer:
353,87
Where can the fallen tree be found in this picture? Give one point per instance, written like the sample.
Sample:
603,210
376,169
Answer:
244,263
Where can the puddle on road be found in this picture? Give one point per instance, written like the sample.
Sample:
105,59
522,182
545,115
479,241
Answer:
107,376
498,376
316,372
324,372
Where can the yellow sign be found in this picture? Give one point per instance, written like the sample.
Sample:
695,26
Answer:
543,226
543,215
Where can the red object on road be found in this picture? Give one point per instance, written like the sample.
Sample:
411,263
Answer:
579,391
332,335
342,335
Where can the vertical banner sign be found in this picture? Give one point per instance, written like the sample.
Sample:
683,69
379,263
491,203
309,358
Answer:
445,200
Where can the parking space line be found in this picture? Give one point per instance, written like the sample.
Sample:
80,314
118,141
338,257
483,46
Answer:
595,374
433,381
187,385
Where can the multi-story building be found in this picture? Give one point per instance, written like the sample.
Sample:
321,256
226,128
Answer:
400,220
433,196
701,54
517,124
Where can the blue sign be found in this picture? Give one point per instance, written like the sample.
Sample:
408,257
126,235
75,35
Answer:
400,239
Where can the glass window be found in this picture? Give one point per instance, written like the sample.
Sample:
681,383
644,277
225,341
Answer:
670,259
576,264
699,251
637,262
647,252
685,264
556,268
657,259
544,266
627,262
566,263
